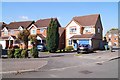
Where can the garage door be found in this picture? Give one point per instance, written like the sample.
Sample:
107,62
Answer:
84,41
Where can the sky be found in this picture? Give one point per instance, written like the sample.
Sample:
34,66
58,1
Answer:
64,11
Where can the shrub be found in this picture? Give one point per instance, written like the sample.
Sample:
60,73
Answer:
10,53
24,53
69,48
34,52
17,53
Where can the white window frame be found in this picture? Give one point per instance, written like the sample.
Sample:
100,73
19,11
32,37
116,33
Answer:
33,32
5,32
73,29
42,30
70,42
115,35
110,35
11,31
87,29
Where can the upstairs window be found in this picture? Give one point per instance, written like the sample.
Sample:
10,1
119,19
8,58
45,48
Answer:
73,30
98,30
5,32
115,35
33,31
41,30
109,35
87,29
115,38
11,32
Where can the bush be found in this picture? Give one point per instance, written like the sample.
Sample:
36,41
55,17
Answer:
10,53
69,48
17,53
34,52
24,53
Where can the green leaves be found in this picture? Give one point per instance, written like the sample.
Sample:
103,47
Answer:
23,36
52,36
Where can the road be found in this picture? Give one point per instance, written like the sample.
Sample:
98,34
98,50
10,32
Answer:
72,66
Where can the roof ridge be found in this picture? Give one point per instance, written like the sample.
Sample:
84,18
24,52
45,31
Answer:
87,15
47,18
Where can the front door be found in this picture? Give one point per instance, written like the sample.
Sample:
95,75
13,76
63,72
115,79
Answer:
75,44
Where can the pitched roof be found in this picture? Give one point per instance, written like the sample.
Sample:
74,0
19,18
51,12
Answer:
83,36
2,24
14,37
41,36
113,31
86,20
5,38
44,22
16,25
61,30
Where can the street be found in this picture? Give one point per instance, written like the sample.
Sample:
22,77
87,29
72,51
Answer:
94,65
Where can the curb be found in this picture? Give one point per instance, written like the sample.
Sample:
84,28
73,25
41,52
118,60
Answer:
22,71
101,62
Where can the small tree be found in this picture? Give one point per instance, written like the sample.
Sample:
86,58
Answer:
23,36
33,39
52,36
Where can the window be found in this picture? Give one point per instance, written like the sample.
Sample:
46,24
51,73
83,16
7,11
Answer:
109,35
33,31
115,34
41,30
87,29
115,38
98,30
73,30
5,32
11,32
115,44
70,42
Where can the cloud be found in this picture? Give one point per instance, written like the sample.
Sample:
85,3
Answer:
23,18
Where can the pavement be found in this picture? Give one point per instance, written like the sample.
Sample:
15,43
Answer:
21,65
33,64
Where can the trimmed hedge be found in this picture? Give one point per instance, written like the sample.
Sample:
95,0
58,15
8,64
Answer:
24,53
34,52
10,53
17,53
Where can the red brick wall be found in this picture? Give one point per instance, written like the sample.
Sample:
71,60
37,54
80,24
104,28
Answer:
62,41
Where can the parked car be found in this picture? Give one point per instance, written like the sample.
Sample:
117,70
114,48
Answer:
41,47
84,48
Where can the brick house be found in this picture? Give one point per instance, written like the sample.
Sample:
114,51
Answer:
39,28
9,32
113,36
84,30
